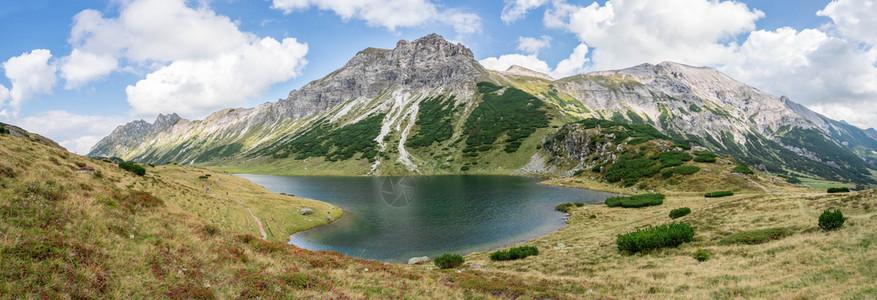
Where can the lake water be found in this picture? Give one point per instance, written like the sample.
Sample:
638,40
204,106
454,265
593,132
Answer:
395,218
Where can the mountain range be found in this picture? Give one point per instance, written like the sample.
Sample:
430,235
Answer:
428,107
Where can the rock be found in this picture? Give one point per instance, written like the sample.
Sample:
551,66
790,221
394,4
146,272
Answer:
475,267
329,218
306,211
561,245
418,260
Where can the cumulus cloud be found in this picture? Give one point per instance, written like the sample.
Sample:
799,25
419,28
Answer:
197,61
389,14
31,75
574,64
516,9
533,45
192,87
77,133
626,33
853,19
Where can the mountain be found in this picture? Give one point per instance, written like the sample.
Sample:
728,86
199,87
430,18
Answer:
429,107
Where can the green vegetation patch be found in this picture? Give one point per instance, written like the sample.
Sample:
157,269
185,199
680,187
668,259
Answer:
719,194
754,237
655,237
433,121
133,168
567,207
630,170
679,212
514,114
636,201
681,170
448,261
831,219
514,253
742,170
337,143
833,190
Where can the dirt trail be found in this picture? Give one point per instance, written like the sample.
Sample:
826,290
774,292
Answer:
758,185
258,222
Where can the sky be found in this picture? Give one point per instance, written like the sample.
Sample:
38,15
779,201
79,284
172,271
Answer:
75,70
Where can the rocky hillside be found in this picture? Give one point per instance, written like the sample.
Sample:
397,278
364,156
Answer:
428,107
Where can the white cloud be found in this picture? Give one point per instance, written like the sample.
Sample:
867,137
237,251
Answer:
195,87
196,61
389,14
516,9
31,75
77,133
82,67
533,45
574,64
853,18
828,74
503,62
626,33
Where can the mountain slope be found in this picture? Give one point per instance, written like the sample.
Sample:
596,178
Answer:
428,107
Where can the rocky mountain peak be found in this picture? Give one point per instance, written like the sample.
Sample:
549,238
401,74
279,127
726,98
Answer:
519,70
432,46
165,121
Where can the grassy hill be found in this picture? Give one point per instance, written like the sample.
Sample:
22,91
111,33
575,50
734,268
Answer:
118,235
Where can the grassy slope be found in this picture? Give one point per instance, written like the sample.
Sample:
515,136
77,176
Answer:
808,264
67,235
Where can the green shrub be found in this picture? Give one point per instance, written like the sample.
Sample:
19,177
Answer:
705,159
683,146
629,170
754,237
3,130
793,180
579,204
448,261
705,154
700,255
681,170
719,194
742,170
133,168
464,168
679,212
636,201
830,220
514,253
578,173
655,237
565,207
833,190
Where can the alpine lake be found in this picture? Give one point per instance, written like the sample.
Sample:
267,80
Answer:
392,219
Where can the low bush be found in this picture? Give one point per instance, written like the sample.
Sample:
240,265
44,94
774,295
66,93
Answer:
754,237
579,204
681,170
636,201
3,130
683,146
448,261
705,159
565,207
719,194
133,168
578,173
831,220
793,180
833,190
679,212
514,253
742,170
700,255
655,237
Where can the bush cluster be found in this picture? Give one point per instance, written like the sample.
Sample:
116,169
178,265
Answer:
679,212
567,207
133,168
3,130
833,190
700,255
655,237
754,237
448,261
515,115
636,201
742,170
681,170
514,253
831,220
719,194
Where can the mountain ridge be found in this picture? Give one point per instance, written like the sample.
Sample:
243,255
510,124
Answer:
696,104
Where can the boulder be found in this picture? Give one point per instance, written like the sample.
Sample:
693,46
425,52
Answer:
306,211
418,260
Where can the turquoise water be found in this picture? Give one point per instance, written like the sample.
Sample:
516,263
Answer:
395,218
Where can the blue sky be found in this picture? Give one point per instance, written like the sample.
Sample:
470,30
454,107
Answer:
74,70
